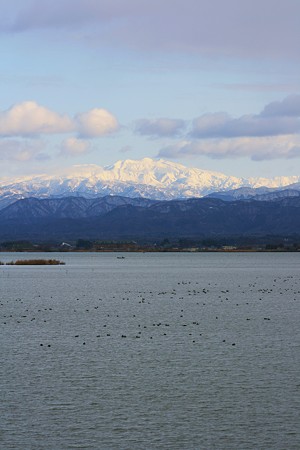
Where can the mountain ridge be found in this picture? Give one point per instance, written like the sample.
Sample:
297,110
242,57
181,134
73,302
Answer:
119,218
146,178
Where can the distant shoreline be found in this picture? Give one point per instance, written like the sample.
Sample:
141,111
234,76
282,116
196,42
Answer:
172,250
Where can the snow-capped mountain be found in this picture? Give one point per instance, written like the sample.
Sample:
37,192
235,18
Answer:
148,178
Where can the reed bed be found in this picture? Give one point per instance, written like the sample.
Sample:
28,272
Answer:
34,262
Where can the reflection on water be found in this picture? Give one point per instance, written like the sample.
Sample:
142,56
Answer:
154,351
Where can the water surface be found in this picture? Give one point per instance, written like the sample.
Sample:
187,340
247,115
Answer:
154,351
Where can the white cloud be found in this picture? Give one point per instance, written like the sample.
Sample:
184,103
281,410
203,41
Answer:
288,107
210,124
74,147
272,134
257,149
29,118
96,122
277,118
222,125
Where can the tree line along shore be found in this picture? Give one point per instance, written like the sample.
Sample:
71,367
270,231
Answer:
218,244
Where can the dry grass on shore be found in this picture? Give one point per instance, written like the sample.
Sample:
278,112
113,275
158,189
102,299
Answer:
34,262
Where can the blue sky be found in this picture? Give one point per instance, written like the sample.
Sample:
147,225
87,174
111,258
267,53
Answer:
207,83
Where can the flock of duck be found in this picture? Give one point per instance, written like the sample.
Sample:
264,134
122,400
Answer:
184,314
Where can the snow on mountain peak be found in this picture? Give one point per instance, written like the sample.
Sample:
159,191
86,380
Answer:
153,178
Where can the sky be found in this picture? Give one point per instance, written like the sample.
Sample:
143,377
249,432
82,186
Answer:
211,84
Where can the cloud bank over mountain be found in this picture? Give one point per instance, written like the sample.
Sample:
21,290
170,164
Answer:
22,126
272,134
258,149
277,118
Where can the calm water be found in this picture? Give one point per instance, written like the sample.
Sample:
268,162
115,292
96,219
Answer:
154,351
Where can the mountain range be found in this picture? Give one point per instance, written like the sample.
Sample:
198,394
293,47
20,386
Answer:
146,178
146,199
123,218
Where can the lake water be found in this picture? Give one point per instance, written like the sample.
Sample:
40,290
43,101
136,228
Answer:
154,351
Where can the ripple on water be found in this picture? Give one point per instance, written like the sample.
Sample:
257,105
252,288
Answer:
157,351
